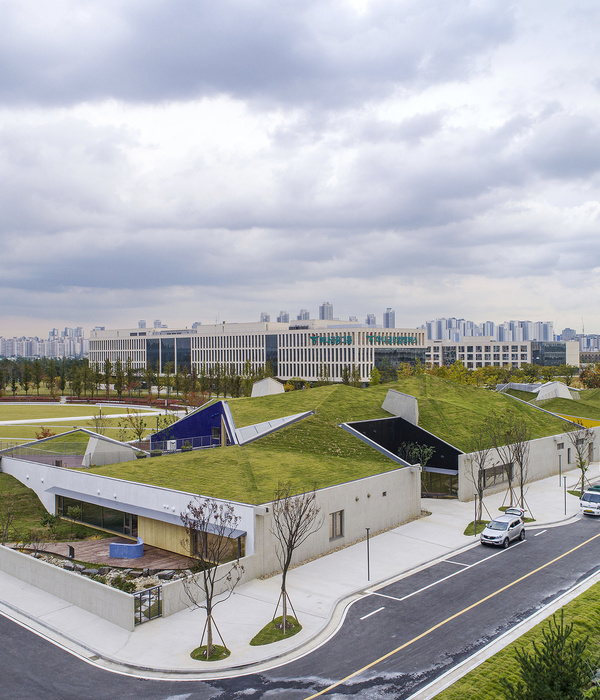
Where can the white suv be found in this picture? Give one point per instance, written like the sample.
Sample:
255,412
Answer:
589,503
503,530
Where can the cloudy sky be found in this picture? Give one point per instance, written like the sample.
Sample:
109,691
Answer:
193,160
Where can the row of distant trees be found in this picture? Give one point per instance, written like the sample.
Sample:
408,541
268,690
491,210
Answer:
489,376
79,377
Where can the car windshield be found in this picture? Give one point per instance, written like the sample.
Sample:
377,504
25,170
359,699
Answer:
591,497
497,525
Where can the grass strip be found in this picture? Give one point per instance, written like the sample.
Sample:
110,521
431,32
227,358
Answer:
273,632
483,682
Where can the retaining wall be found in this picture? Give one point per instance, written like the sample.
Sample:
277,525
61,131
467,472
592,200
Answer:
105,602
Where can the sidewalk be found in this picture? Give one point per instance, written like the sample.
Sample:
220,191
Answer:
321,591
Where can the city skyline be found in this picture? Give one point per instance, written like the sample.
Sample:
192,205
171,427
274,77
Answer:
196,162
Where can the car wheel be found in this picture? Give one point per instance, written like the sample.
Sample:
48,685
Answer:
522,535
505,543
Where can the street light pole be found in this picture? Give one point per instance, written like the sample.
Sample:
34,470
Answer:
565,489
475,519
368,558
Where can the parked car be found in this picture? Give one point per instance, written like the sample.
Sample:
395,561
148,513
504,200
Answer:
503,530
514,510
589,503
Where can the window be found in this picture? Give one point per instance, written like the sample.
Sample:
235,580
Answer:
496,475
568,455
560,445
336,524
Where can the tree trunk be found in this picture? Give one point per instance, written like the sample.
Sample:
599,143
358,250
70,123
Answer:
209,637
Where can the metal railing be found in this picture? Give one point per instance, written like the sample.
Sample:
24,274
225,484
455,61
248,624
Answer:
148,605
177,443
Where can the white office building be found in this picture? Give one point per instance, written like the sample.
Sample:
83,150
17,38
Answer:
303,349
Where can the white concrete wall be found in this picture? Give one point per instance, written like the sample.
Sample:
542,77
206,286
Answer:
402,405
174,595
364,505
104,601
150,501
544,459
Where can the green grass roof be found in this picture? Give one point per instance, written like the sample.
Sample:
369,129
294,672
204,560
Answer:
315,451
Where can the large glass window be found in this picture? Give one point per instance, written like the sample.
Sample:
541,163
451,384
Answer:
167,353
271,352
152,353
184,354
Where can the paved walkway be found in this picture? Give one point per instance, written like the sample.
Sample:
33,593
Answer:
320,591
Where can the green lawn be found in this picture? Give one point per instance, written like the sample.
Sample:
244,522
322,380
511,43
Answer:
34,411
524,395
588,405
454,411
315,451
28,511
483,682
27,433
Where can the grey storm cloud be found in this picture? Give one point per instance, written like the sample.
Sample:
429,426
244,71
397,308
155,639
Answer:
317,50
156,154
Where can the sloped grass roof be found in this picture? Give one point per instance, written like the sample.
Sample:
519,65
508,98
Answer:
315,451
588,405
454,412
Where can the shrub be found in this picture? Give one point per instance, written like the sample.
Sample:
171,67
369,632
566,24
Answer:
156,453
123,584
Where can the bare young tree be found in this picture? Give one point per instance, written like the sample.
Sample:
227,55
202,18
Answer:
134,421
99,423
500,432
481,448
209,525
295,518
7,515
582,439
520,437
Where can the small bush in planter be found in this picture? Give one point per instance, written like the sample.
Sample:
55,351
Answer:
187,447
155,453
140,455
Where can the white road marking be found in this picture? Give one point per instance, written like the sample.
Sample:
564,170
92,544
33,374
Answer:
540,533
458,563
364,617
435,583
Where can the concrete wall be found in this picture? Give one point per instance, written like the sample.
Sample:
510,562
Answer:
545,457
174,595
105,602
364,505
402,405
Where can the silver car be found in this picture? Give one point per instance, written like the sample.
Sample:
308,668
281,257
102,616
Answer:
503,530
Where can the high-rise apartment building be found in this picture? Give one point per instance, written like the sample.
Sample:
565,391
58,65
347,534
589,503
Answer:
326,311
283,317
371,320
389,318
304,315
265,317
141,323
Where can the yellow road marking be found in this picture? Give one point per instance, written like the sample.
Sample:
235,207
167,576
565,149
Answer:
448,619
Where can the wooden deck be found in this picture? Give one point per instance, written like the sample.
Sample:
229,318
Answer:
96,552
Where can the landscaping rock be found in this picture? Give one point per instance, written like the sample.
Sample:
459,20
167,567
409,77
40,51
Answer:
90,572
136,574
69,566
146,572
165,575
79,567
103,570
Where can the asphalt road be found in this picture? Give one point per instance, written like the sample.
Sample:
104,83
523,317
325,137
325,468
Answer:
392,642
